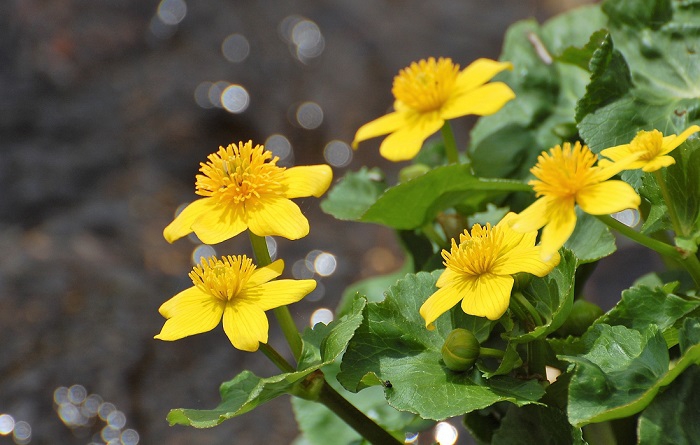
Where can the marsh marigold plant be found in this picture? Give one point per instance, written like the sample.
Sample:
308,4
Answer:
652,147
479,270
231,289
428,93
567,176
244,188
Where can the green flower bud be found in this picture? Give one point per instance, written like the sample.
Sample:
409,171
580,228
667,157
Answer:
460,351
413,171
583,314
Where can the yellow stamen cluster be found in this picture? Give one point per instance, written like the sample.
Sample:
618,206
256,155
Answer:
425,85
237,174
648,143
476,253
564,171
223,278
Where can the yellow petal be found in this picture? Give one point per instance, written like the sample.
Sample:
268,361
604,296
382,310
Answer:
658,162
607,197
479,72
281,292
440,302
219,224
488,296
379,127
264,274
182,224
671,142
406,142
277,217
616,153
559,228
190,312
246,326
447,276
525,259
482,101
533,217
311,180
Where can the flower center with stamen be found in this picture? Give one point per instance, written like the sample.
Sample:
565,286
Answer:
223,278
563,172
425,85
240,174
649,143
477,253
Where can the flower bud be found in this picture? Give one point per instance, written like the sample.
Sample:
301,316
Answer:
460,351
413,171
583,314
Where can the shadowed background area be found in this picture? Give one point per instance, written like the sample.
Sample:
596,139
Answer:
106,110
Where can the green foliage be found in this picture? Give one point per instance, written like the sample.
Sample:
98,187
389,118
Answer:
321,347
354,194
414,203
620,371
393,344
536,425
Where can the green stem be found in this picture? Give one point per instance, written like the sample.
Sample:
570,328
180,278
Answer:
687,259
490,352
432,234
450,144
276,358
365,426
282,314
673,216
536,317
536,358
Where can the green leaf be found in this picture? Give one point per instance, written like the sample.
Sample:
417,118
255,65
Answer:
321,346
354,194
552,297
591,239
610,79
319,424
537,425
671,417
393,344
642,306
414,203
658,40
683,182
620,372
582,56
507,143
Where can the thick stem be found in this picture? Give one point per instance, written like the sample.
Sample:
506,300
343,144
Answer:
276,358
687,259
490,352
365,426
525,304
282,314
450,144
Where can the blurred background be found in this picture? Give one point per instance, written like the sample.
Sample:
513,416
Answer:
106,109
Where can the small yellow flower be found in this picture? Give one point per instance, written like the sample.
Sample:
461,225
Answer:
565,177
243,188
653,148
428,93
479,270
232,289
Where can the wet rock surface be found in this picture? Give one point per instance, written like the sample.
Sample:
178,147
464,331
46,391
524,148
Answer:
101,134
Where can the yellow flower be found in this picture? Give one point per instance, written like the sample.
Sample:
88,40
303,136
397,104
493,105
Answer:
565,177
653,148
427,94
243,188
479,270
231,288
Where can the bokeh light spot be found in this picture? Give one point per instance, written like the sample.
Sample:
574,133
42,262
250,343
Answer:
7,424
337,153
203,251
172,12
201,95
309,115
235,99
279,146
445,433
235,48
325,264
628,217
22,433
322,315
